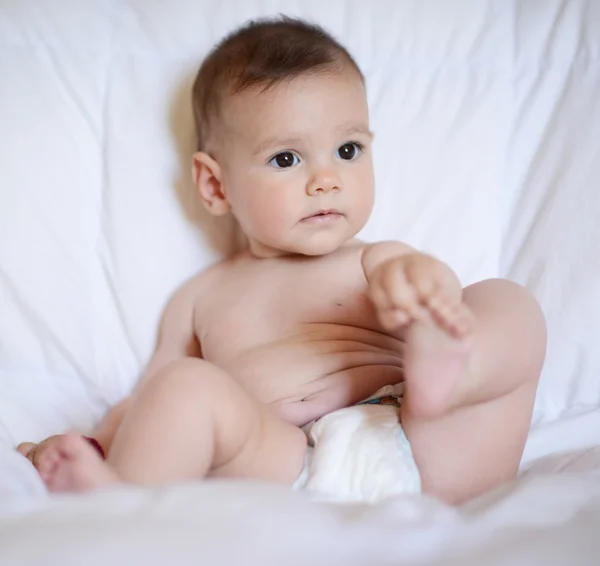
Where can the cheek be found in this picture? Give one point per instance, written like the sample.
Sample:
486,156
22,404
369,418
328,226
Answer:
363,186
266,202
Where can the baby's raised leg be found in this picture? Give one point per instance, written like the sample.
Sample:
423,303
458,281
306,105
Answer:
471,437
189,421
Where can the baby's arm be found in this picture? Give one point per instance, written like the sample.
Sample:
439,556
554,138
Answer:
374,255
176,340
176,335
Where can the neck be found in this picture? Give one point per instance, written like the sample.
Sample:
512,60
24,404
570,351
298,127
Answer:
259,250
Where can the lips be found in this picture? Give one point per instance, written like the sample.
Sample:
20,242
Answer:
324,215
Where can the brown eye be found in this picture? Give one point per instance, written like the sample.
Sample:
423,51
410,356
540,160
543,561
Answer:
349,151
284,160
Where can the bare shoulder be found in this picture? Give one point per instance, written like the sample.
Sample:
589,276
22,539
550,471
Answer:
375,254
382,246
198,288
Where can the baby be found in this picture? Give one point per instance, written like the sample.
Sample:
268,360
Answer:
309,319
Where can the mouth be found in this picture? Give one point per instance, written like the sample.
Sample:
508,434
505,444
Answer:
323,216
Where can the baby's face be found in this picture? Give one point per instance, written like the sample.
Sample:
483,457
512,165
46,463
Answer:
296,163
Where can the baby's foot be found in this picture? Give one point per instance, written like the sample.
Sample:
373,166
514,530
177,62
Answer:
435,361
73,465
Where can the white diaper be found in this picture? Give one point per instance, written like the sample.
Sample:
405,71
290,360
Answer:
361,453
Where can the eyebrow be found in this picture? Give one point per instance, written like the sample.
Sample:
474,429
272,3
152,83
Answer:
356,129
288,142
274,142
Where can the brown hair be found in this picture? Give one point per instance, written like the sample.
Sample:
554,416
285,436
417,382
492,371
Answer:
261,54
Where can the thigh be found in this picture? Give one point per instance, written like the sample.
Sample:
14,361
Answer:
255,443
193,419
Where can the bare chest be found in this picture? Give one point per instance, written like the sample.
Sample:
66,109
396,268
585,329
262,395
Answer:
260,302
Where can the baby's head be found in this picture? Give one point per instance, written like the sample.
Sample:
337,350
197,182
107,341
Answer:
283,138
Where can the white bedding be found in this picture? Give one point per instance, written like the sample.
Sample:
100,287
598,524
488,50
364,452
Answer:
542,519
487,122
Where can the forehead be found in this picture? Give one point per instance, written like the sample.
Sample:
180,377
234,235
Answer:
303,106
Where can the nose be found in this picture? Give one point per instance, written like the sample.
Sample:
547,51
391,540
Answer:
323,182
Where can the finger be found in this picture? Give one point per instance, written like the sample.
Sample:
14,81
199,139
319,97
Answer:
448,315
446,305
424,279
464,321
393,319
400,292
456,312
401,317
459,321
426,287
437,302
444,323
442,307
379,296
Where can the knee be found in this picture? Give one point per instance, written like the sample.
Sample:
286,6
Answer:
189,376
187,366
517,313
501,289
510,299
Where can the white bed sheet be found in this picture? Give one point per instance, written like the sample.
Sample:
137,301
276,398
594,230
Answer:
543,518
488,129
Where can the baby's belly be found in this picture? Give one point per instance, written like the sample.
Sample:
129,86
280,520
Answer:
328,368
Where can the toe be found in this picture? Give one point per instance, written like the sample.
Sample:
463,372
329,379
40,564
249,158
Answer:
46,463
26,449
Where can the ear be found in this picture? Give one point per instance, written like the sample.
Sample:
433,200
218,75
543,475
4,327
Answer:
207,178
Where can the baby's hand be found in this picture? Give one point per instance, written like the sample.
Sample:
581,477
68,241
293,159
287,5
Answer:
419,287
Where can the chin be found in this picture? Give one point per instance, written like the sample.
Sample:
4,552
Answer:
318,245
319,248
